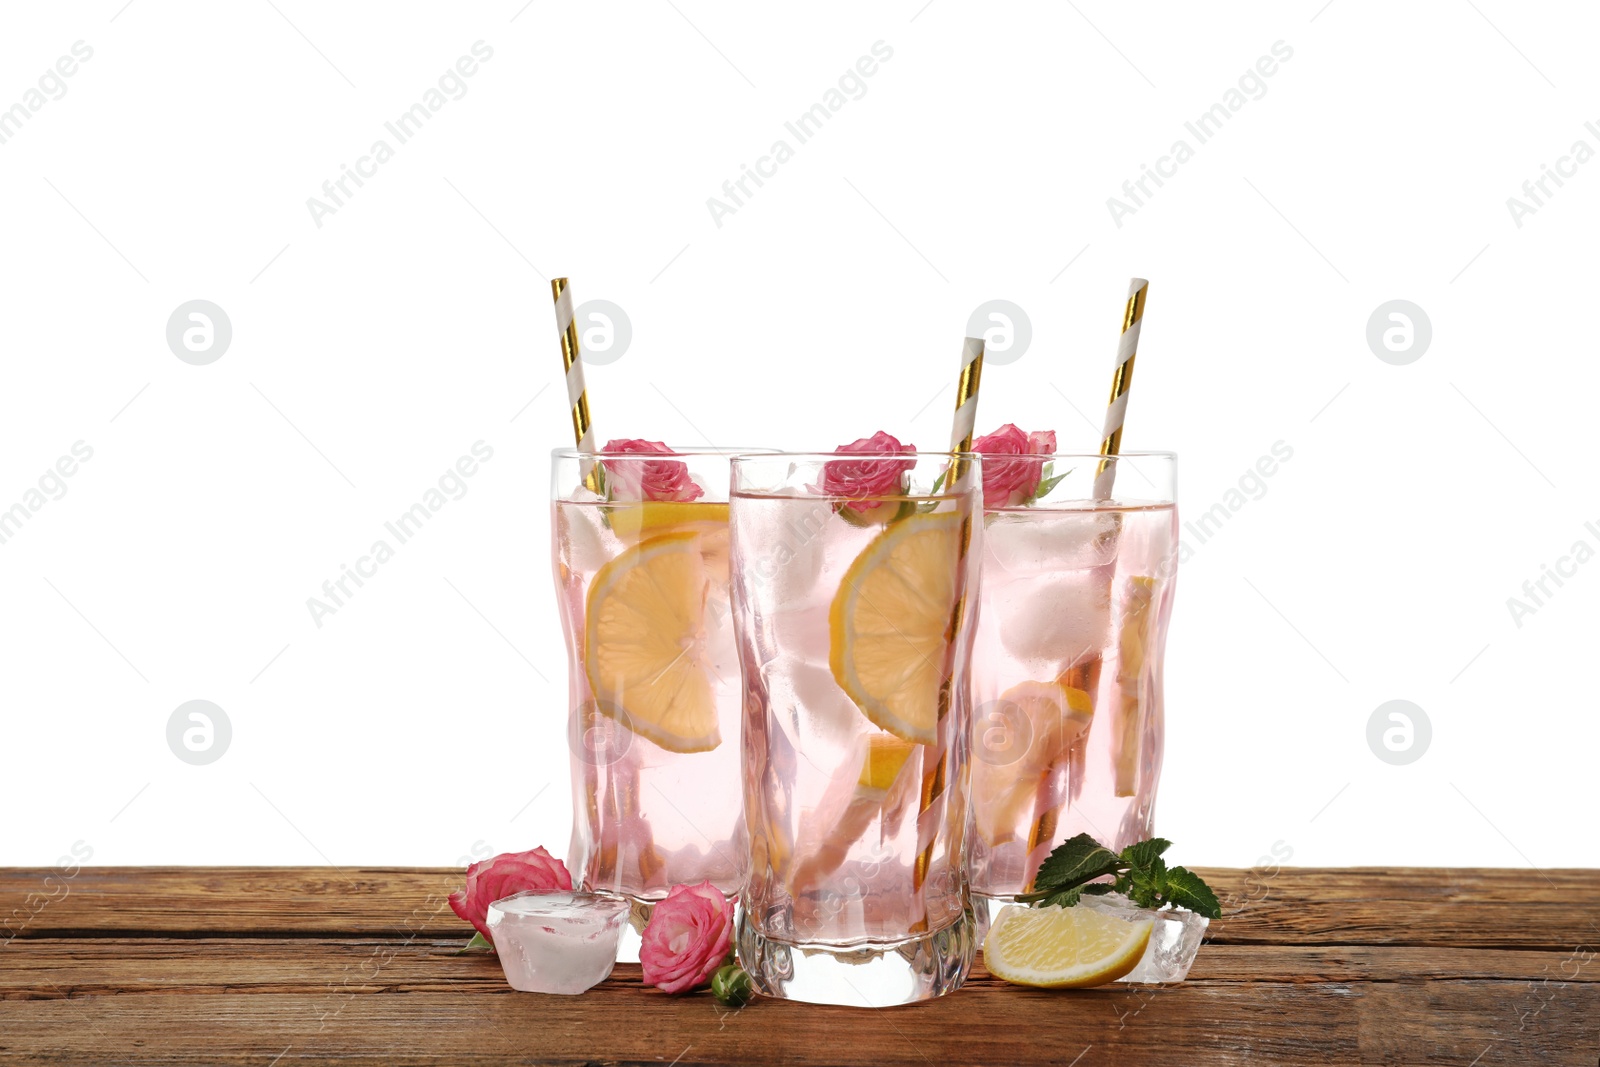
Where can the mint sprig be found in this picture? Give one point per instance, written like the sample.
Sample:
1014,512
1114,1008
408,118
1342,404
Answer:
1140,873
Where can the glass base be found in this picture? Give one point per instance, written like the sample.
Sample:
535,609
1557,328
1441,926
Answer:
876,975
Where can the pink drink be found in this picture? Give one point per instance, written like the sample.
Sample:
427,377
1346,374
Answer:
851,865
1067,721
654,691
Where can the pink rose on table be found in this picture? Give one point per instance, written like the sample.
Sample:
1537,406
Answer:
871,471
1008,482
689,936
505,874
648,479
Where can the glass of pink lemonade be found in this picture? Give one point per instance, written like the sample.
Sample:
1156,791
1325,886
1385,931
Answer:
1066,667
853,614
640,554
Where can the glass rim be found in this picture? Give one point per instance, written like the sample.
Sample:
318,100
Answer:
706,450
1096,456
831,457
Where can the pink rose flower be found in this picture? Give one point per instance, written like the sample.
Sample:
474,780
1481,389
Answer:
648,479
1008,482
510,872
858,481
689,936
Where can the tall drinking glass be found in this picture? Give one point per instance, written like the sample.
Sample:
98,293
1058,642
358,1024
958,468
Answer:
640,553
1072,625
852,579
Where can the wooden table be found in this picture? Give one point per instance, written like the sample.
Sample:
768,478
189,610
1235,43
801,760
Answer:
280,965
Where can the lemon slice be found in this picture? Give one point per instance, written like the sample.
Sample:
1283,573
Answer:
643,643
1058,947
1054,716
634,521
1133,645
884,759
890,621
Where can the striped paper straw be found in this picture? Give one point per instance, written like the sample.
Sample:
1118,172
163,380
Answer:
1049,807
572,363
1117,409
936,759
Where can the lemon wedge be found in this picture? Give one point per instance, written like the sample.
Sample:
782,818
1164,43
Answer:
890,622
1057,947
644,643
1049,718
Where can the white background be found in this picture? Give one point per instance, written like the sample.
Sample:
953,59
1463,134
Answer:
423,721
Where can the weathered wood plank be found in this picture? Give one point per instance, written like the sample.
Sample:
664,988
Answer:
1556,909
50,969
1410,1022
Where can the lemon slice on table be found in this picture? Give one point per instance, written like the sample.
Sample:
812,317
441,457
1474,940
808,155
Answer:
1054,717
1057,947
643,643
890,622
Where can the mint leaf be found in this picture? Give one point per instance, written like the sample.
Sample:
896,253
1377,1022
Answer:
1141,875
1066,898
1185,889
1146,853
1147,883
1075,861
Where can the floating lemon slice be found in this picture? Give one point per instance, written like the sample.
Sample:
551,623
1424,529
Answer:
1058,947
1133,648
1005,780
884,759
890,621
634,521
643,643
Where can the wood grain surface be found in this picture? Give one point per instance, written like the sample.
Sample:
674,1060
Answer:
290,965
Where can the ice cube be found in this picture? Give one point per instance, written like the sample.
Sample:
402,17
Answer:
1059,617
1052,540
558,941
1175,938
581,533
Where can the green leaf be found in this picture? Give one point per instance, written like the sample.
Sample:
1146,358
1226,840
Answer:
1049,482
1098,889
1146,853
1185,889
478,942
1148,883
1075,861
1066,898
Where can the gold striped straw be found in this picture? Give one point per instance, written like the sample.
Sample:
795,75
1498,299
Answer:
1045,824
966,418
572,363
1121,381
